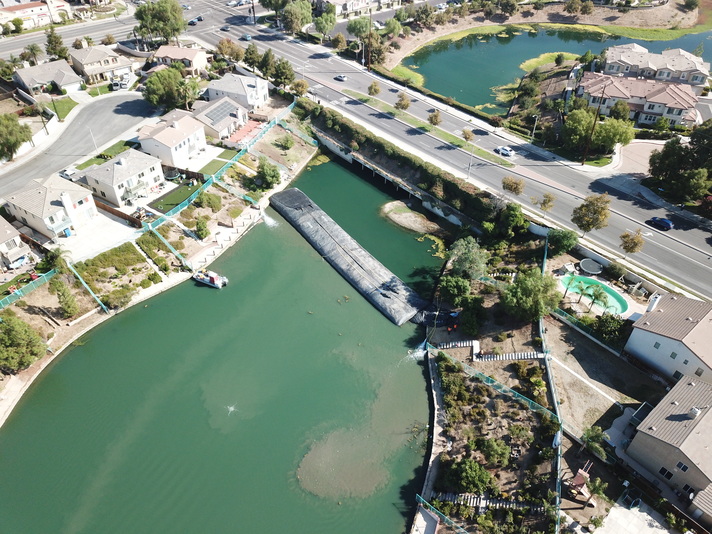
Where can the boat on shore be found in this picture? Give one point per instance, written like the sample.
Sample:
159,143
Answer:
210,278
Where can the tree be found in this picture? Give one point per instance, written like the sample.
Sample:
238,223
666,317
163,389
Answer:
163,89
359,27
66,301
508,7
546,204
78,44
406,31
665,164
393,28
267,174
108,39
609,328
325,23
694,184
12,135
434,118
17,24
611,132
252,56
163,18
598,295
300,87
632,242
338,42
55,45
34,52
267,63
20,346
468,135
513,185
201,228
511,221
595,487
692,4
559,59
620,110
468,258
572,6
374,88
473,477
189,91
423,15
532,295
592,214
587,7
230,49
296,15
283,74
403,102
275,5
454,288
561,241
495,451
577,129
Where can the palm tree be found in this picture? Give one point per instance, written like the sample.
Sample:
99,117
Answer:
189,89
580,288
592,439
595,487
34,52
15,61
598,295
570,283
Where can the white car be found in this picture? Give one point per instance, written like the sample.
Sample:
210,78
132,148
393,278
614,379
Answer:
341,78
504,151
232,3
68,173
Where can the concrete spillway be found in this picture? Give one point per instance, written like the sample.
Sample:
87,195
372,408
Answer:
380,286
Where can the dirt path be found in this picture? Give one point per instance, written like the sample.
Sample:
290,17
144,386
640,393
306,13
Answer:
669,15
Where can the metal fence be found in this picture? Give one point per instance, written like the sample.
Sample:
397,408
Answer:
26,289
445,519
574,321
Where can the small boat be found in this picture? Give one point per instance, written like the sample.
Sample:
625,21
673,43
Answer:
210,278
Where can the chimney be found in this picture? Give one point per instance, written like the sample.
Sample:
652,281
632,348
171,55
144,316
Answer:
694,412
653,303
121,161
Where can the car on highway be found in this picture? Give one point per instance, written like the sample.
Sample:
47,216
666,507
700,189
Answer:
504,151
225,29
246,37
232,3
186,7
68,173
341,77
199,18
661,223
192,22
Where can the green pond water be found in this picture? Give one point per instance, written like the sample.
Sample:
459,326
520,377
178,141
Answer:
282,403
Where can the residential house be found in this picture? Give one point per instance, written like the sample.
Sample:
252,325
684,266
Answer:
99,63
40,77
194,60
674,336
128,176
220,118
248,91
52,206
346,7
648,100
672,442
36,14
174,140
12,248
675,65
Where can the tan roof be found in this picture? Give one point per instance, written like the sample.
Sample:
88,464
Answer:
703,500
673,95
7,231
172,131
178,52
676,59
41,197
58,72
672,422
124,166
683,319
92,54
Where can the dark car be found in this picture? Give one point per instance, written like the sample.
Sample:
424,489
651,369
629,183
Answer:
192,22
661,224
200,18
225,29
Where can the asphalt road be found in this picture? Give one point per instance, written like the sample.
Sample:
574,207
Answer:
682,254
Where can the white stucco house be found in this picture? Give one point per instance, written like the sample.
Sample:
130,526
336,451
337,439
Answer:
39,77
175,141
250,92
128,176
194,60
36,14
220,118
12,248
53,206
674,336
99,63
674,65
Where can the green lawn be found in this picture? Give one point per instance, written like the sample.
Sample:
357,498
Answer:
228,154
172,199
212,167
62,106
100,90
114,150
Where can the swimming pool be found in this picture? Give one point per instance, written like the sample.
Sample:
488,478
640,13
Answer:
616,303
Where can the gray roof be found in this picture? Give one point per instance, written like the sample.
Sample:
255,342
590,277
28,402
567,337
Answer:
42,197
7,231
703,500
233,83
683,319
58,72
671,421
219,113
119,169
676,59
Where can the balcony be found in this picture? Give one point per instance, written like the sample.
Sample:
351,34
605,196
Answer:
59,226
131,192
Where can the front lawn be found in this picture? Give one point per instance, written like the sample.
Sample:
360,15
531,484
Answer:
63,106
112,151
100,90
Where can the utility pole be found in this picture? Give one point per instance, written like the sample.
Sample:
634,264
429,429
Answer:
536,119
593,127
370,29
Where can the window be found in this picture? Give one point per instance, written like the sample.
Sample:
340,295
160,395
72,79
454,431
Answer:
153,169
685,362
656,345
10,244
673,355
667,475
687,489
627,68
93,189
103,194
141,175
683,76
51,219
650,106
649,118
682,467
80,202
121,186
699,371
677,375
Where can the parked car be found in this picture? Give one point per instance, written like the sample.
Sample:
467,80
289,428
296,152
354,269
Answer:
193,22
199,18
225,28
504,151
378,25
341,77
186,7
661,223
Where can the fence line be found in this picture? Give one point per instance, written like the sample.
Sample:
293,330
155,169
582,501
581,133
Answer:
445,519
86,286
26,289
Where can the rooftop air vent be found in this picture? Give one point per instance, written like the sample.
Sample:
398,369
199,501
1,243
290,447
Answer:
694,412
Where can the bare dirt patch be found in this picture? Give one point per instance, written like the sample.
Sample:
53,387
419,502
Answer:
271,146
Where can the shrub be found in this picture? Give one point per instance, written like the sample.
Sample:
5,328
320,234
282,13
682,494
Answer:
201,229
615,270
118,298
145,283
154,277
208,200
